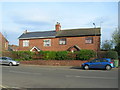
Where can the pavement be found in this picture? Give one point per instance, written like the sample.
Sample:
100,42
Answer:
37,76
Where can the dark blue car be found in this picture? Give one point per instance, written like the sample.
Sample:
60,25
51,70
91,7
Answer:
104,63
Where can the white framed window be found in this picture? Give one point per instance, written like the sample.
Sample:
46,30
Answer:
47,42
89,40
62,41
25,43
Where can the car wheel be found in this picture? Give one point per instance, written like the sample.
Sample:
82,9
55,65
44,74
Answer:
86,67
108,67
10,64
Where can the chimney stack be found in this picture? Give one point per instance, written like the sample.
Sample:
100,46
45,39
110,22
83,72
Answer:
57,27
25,31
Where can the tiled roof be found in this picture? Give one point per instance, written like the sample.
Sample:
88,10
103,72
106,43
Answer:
62,33
44,34
79,32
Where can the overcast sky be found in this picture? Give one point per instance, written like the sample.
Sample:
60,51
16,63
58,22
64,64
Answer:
42,16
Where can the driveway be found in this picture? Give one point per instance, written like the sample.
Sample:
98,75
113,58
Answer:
31,76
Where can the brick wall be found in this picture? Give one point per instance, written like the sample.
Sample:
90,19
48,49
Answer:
71,41
3,43
54,62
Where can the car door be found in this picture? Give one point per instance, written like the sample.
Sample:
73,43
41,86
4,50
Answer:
103,63
4,60
95,63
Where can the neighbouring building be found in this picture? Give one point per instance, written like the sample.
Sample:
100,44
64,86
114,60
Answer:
13,48
61,40
3,43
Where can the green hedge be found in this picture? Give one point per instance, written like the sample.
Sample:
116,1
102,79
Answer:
108,54
112,55
85,54
22,55
51,55
61,55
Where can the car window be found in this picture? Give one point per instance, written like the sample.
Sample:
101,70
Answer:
9,58
4,58
95,60
103,60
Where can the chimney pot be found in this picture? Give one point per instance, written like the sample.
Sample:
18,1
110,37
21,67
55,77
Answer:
25,31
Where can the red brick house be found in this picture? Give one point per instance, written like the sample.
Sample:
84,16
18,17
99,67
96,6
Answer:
61,40
3,43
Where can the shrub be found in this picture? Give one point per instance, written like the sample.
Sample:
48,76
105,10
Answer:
85,54
49,55
108,54
111,54
101,54
23,55
61,55
39,55
71,56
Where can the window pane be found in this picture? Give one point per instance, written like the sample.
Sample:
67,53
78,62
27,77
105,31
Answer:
62,41
89,40
25,43
47,42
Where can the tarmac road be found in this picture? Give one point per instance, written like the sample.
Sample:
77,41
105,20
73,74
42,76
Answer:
31,76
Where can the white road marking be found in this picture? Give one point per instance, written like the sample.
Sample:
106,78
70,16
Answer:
90,77
24,72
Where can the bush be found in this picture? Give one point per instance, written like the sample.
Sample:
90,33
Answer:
85,54
49,55
101,54
22,55
108,54
71,56
111,54
61,55
38,55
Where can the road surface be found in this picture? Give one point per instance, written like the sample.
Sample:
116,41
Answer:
31,76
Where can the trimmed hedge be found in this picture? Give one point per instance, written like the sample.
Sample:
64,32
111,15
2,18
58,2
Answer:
51,55
61,55
22,55
85,54
108,54
112,55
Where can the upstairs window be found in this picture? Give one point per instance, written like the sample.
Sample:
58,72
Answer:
47,42
62,41
25,43
89,40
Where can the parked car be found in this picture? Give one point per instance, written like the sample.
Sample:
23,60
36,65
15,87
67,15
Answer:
8,61
103,63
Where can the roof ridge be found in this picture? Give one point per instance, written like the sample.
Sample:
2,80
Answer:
41,31
80,29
